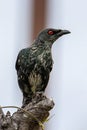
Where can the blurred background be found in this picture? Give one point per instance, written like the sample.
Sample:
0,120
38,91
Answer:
20,21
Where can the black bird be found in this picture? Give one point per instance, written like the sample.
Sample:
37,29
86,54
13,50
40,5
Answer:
35,63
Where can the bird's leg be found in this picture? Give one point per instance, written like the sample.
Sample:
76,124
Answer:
38,96
26,100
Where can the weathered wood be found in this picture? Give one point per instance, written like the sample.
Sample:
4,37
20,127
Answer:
31,117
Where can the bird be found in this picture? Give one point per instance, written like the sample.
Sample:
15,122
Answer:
34,63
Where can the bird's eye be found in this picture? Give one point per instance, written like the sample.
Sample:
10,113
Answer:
50,32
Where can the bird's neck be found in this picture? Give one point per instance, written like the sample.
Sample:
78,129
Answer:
38,41
43,43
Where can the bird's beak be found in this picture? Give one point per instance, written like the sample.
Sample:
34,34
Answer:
58,34
63,32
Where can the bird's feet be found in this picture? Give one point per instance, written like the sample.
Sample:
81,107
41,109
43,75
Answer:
26,101
35,98
38,96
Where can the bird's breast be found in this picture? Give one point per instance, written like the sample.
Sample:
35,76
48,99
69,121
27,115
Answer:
35,80
45,59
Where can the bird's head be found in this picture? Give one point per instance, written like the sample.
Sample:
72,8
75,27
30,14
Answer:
51,35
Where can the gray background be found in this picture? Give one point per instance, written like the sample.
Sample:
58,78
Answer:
68,80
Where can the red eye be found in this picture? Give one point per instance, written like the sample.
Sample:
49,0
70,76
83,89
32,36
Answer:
50,32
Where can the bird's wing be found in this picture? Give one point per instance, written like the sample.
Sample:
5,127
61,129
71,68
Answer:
26,59
20,59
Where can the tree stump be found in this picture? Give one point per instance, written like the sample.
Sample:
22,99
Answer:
30,117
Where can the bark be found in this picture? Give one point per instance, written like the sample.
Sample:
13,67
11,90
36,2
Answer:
31,117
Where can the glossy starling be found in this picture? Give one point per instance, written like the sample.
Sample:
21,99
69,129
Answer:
34,64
